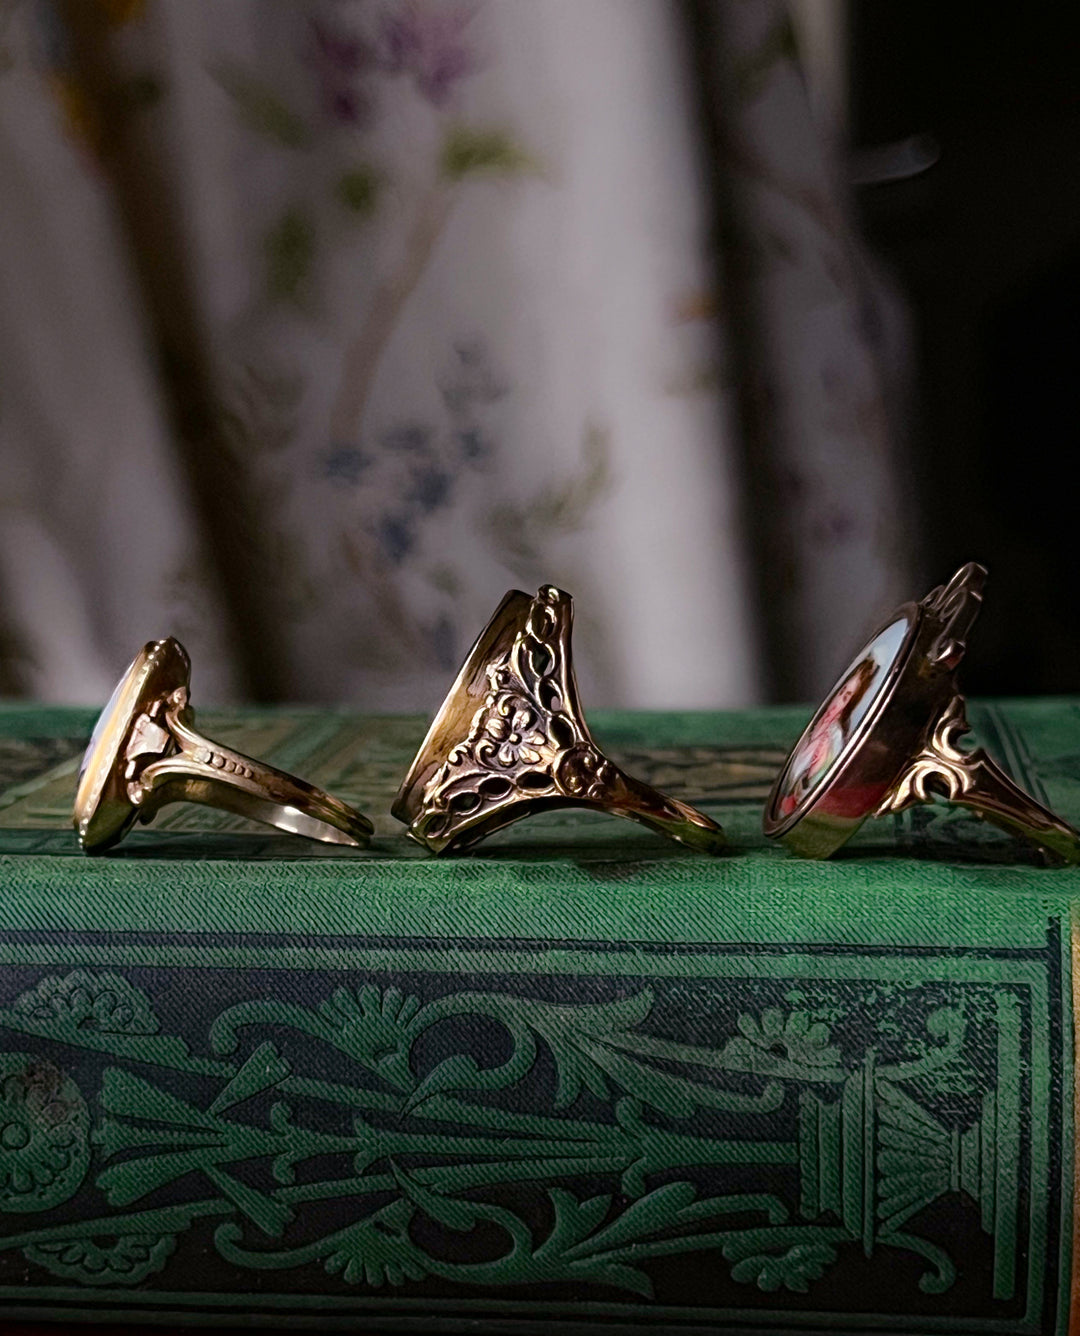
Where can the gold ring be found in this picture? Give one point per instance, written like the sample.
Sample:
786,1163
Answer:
511,740
145,753
886,739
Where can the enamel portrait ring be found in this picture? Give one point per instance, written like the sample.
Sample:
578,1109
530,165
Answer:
887,736
145,753
511,740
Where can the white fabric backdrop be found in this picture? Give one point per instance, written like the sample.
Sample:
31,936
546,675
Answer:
449,269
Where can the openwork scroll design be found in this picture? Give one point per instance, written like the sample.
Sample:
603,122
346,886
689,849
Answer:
694,1144
528,741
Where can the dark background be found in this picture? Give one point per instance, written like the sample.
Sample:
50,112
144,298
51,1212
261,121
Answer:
986,247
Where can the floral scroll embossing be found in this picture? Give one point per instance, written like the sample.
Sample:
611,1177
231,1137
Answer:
44,1125
429,1106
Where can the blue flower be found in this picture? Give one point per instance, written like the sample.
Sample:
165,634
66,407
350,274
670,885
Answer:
475,446
414,437
443,640
345,464
396,537
430,489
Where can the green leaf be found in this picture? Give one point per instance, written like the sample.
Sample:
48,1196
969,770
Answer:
649,1215
262,1070
563,507
459,1072
574,1220
449,1211
466,150
260,107
572,1034
129,1096
270,1215
792,1270
572,1251
290,254
358,190
374,1251
671,1094
374,1028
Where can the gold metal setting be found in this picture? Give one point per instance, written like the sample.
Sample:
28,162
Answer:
511,740
904,748
146,753
973,779
941,767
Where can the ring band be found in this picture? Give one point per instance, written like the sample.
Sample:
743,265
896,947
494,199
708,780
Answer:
511,740
146,753
973,779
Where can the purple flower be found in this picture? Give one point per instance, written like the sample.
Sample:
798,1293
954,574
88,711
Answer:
347,106
834,527
341,51
340,60
427,42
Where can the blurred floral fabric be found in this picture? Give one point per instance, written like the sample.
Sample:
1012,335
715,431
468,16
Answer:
323,324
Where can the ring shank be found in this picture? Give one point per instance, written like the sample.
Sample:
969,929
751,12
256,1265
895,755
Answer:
994,796
668,816
602,787
206,772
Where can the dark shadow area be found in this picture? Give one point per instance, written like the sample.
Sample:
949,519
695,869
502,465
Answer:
986,247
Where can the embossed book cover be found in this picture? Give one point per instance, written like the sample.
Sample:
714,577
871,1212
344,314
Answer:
580,1080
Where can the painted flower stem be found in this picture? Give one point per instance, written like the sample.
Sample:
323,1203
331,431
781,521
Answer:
365,350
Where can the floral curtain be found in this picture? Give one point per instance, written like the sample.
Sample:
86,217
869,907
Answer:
323,324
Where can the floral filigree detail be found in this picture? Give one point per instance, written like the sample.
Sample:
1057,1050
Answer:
793,1036
128,1260
105,1003
44,1134
585,773
528,747
520,734
513,728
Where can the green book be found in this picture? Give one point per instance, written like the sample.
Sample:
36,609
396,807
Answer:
579,1080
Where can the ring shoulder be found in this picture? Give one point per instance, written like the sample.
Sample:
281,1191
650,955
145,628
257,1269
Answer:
941,767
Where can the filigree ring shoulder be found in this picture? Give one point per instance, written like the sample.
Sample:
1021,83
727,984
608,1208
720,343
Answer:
511,740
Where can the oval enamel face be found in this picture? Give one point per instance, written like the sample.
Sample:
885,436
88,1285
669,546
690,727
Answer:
112,721
101,808
832,732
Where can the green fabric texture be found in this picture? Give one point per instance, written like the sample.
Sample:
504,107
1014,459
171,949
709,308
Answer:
579,1079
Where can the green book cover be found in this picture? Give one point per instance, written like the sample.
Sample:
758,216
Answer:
578,1080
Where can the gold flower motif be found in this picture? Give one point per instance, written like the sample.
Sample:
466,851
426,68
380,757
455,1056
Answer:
515,732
